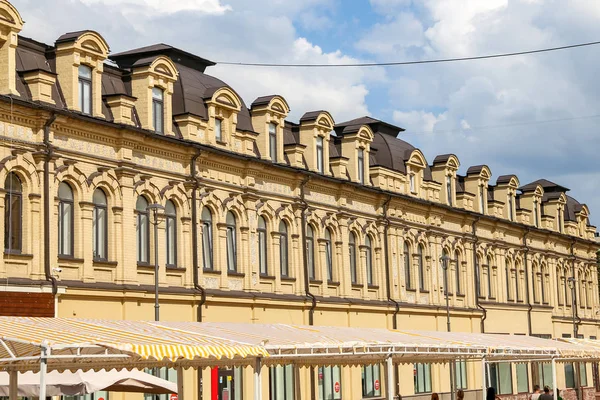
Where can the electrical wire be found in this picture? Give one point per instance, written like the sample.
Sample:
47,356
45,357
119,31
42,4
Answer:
525,123
399,63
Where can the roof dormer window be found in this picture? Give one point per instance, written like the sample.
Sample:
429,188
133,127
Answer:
85,89
510,207
536,214
481,200
218,130
320,154
361,166
273,142
158,110
413,185
449,190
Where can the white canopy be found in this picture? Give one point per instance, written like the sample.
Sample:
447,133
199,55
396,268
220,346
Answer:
78,383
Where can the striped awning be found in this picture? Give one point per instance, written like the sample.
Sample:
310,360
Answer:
97,344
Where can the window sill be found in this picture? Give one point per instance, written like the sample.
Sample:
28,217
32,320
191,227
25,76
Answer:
373,287
106,262
236,274
423,291
15,254
174,268
357,286
462,295
333,283
220,142
70,259
211,271
316,282
267,277
145,266
288,279
411,290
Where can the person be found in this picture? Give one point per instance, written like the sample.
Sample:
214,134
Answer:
435,396
546,395
460,395
536,393
491,394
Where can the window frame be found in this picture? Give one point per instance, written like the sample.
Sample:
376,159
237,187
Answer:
284,250
171,242
425,370
263,245
207,239
328,376
408,276
457,272
82,83
369,260
289,388
97,234
496,375
352,254
449,192
507,271
461,374
361,166
328,254
309,243
142,235
160,104
231,242
62,204
219,130
375,375
12,194
320,154
421,269
273,149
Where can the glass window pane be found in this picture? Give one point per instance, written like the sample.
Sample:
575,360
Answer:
522,378
218,130
157,93
582,374
87,98
337,383
85,72
504,378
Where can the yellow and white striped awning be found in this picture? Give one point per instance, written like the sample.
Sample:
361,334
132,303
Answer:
97,344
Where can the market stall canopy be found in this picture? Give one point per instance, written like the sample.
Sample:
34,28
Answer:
72,344
325,345
79,383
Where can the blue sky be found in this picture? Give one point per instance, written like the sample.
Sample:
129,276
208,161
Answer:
442,106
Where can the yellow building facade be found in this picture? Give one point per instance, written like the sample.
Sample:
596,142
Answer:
264,220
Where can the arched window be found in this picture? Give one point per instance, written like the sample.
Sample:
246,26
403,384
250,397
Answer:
328,255
491,287
507,269
369,260
421,266
142,230
207,239
543,290
407,267
13,214
230,225
283,249
445,264
310,252
262,246
171,236
65,220
352,249
100,226
458,283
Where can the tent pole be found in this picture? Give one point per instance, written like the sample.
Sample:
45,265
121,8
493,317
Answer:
554,384
483,379
390,377
13,388
179,383
43,369
257,380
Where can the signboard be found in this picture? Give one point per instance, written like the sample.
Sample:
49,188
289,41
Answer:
376,384
336,387
172,396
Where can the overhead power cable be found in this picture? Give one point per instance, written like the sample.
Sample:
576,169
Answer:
399,63
524,123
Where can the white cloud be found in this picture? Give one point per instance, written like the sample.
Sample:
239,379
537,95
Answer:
418,121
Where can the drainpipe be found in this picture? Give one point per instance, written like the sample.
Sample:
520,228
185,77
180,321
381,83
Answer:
387,278
311,312
574,305
530,307
197,286
477,274
49,154
387,262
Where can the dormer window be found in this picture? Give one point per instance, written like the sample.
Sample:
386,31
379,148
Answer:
85,89
481,200
361,166
218,130
320,159
536,217
510,207
413,185
158,110
273,142
559,220
449,189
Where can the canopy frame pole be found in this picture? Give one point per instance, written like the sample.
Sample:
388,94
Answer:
13,385
554,384
483,378
257,380
43,370
180,383
390,377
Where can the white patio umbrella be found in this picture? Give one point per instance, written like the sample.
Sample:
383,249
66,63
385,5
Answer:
79,382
